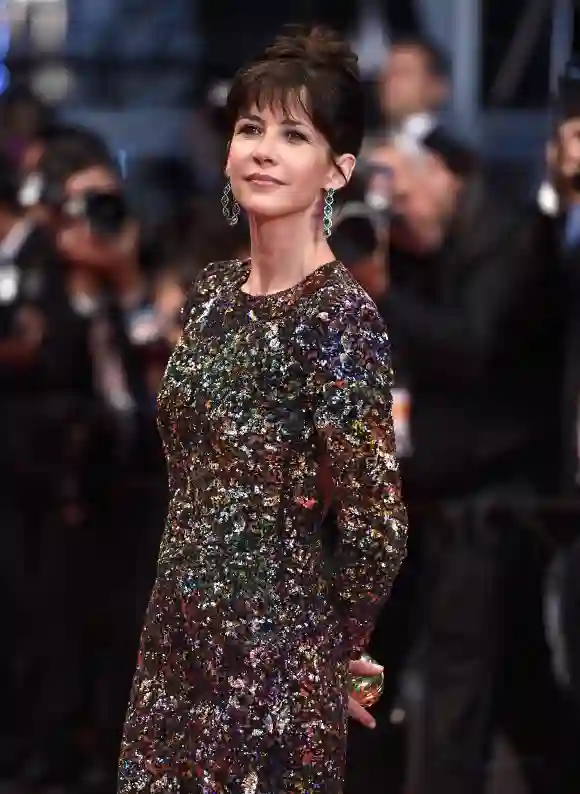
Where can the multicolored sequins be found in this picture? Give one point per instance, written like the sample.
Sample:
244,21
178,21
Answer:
284,534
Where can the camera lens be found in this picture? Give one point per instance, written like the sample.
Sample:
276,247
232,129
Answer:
106,213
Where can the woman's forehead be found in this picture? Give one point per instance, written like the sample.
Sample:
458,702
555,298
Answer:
281,105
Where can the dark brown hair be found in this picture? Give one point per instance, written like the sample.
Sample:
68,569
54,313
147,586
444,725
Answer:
314,69
436,59
68,150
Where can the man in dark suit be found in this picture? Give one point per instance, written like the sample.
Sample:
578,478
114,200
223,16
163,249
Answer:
474,308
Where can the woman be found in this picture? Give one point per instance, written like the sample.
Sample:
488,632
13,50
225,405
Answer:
275,412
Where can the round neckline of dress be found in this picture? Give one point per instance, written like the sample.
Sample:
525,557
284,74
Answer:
308,284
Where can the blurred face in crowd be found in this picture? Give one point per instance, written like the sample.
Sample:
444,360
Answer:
77,242
32,156
279,164
23,117
564,153
424,199
409,85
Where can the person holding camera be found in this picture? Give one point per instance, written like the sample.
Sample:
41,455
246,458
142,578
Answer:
76,195
474,308
43,380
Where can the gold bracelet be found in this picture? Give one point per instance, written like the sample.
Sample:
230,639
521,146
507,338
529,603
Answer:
367,689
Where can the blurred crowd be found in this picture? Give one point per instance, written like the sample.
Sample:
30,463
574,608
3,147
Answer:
89,311
477,283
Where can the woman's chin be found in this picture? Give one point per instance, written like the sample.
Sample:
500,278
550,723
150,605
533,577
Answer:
265,210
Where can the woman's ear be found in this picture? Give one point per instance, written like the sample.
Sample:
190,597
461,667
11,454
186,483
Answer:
341,171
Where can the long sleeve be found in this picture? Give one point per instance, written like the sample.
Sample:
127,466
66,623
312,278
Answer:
350,391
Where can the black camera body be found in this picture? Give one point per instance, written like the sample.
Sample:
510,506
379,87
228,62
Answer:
105,211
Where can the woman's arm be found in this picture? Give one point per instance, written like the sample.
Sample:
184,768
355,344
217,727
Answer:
350,385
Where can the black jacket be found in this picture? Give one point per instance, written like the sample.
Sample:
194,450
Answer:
39,400
570,263
477,335
62,363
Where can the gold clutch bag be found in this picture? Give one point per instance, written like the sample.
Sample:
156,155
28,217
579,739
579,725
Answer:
367,689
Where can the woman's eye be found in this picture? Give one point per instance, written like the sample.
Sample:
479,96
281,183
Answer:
248,129
295,136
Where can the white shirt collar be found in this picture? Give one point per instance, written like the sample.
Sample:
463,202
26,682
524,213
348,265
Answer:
412,132
418,125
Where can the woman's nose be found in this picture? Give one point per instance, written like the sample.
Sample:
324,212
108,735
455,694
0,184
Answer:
265,149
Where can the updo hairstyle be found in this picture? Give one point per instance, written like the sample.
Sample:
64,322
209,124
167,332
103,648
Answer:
315,70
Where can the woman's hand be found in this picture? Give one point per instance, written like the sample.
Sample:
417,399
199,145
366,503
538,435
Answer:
355,710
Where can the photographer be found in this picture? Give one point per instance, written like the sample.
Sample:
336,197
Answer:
44,378
78,194
474,307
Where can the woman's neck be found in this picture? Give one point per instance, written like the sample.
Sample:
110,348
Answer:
283,252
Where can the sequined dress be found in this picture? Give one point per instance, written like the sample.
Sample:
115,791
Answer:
241,683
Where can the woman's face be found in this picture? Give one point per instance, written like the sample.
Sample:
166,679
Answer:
280,165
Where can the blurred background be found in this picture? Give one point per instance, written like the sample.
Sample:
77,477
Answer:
461,225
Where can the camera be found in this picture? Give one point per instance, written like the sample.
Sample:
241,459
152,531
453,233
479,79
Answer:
105,211
355,235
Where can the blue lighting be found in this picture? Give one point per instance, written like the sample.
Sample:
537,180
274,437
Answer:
4,77
122,160
5,42
5,38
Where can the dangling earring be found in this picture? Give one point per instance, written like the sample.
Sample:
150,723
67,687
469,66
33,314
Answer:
230,214
327,212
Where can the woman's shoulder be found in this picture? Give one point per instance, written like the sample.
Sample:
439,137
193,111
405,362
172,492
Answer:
216,275
212,279
342,329
343,302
